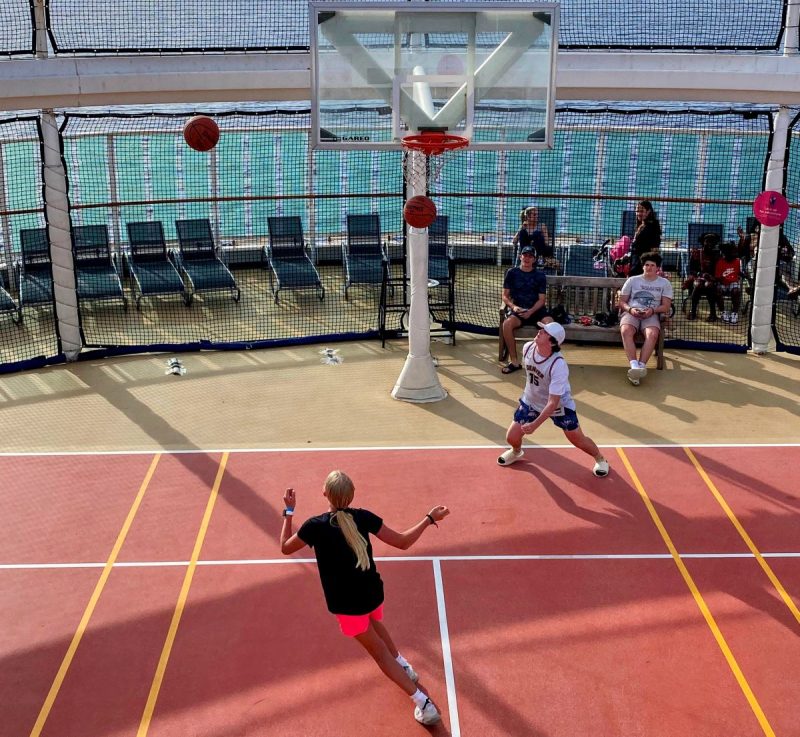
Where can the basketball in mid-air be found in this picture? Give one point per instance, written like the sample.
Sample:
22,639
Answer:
419,211
201,133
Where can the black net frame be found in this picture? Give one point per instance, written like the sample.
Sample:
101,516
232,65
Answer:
30,337
17,28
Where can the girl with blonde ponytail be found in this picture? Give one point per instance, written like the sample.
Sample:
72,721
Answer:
350,581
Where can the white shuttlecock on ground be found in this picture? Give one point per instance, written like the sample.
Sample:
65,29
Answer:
175,367
330,356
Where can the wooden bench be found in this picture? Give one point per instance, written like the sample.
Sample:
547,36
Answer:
582,295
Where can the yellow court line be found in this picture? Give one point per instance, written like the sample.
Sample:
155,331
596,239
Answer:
158,678
90,607
748,541
698,597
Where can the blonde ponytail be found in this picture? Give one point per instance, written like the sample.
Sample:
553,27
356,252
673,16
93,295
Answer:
354,538
340,490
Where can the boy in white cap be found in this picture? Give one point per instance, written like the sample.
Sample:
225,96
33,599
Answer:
547,394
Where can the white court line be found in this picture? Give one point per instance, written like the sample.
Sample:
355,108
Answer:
345,449
392,559
444,634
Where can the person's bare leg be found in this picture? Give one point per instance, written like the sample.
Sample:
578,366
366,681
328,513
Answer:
650,340
510,324
514,436
584,443
383,633
627,332
374,644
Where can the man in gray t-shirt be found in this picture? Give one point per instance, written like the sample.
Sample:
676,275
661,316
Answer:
643,300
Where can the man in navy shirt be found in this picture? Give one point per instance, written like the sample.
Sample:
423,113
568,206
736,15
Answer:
524,292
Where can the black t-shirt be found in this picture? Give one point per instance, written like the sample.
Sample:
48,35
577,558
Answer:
525,287
347,589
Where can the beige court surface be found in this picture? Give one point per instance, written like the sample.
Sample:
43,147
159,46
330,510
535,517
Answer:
289,398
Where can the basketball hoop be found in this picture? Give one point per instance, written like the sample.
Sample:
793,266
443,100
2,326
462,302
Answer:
437,147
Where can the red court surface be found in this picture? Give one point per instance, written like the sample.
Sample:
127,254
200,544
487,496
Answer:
147,595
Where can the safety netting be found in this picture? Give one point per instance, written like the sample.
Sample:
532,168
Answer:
213,26
28,335
787,273
262,241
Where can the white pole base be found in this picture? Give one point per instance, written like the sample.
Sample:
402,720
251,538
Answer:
418,381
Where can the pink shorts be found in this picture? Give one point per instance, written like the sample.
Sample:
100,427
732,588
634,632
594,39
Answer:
357,624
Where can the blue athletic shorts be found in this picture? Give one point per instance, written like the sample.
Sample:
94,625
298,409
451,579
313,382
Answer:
566,419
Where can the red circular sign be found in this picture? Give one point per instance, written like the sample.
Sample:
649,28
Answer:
770,208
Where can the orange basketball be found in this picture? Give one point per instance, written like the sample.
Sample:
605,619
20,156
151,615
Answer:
419,211
201,133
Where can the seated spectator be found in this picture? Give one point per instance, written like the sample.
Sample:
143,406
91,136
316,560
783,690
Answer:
701,282
783,265
746,248
643,300
646,237
728,276
524,293
533,235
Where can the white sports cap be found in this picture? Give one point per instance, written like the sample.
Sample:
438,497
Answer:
554,330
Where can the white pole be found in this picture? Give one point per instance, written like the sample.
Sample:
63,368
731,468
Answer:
790,37
418,381
764,290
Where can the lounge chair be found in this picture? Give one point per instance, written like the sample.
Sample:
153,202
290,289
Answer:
696,230
149,263
363,255
289,265
439,260
199,261
96,270
35,268
8,305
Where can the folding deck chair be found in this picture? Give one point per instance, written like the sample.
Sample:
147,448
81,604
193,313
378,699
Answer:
96,270
363,255
289,265
35,269
439,259
199,261
9,306
148,261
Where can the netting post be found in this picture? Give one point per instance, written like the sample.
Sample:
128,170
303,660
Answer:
418,381
60,236
764,291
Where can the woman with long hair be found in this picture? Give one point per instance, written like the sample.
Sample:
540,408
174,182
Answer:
646,237
350,581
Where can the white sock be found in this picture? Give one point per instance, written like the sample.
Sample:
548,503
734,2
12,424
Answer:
400,659
641,365
419,698
634,364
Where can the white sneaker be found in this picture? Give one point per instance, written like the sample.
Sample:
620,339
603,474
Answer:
411,673
427,713
509,457
601,468
734,318
637,373
726,317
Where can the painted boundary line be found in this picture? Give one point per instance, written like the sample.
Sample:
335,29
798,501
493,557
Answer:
90,607
389,559
743,534
382,448
444,634
699,600
161,668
